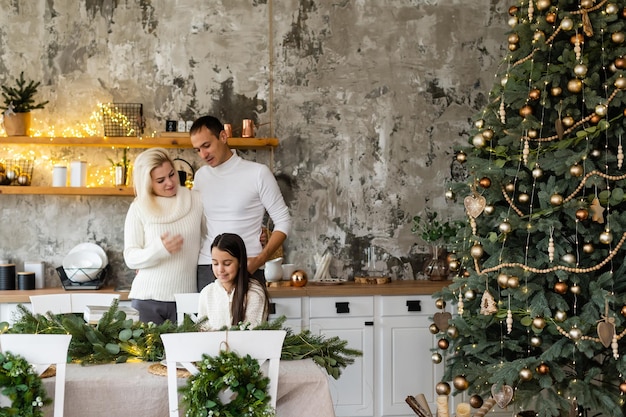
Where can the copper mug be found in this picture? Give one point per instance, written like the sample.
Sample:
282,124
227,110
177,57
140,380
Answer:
228,128
248,128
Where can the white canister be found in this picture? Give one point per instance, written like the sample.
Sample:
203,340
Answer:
78,174
38,268
59,176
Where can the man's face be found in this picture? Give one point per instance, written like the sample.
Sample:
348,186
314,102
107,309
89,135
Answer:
213,150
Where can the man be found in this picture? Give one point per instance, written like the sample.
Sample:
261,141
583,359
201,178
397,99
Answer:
236,193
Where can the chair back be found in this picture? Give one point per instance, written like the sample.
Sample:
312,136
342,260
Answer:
42,350
187,303
186,348
69,303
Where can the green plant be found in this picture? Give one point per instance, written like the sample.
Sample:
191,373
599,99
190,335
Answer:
21,98
432,230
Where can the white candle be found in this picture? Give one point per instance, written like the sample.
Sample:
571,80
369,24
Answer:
78,174
38,268
59,176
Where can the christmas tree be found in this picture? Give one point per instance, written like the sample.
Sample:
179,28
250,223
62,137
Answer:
540,287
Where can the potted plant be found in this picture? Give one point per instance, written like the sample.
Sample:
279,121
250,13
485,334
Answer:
437,234
18,102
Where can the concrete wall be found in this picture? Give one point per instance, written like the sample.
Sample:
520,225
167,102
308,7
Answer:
366,97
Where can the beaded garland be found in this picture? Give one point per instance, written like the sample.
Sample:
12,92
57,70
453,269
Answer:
227,385
21,384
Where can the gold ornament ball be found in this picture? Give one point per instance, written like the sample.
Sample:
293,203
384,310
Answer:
580,70
623,310
523,198
556,199
551,18
453,332
433,328
600,110
588,248
620,62
543,369
513,10
537,172
513,47
513,282
534,94
440,303
539,36
510,187
574,85
436,357
560,316
442,388
617,37
576,170
450,195
489,209
595,119
478,141
477,251
575,289
505,227
503,280
582,214
479,123
575,333
543,4
299,278
470,295
539,323
526,111
611,8
568,121
476,401
454,265
23,179
568,258
560,287
533,133
513,38
556,91
443,344
586,4
578,38
461,156
535,341
606,237
487,134
595,153
12,174
485,182
460,383
622,387
525,374
567,24
624,13
620,82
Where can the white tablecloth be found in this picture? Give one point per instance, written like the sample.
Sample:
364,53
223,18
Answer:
129,389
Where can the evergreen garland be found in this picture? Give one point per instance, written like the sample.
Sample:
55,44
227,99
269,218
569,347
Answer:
21,384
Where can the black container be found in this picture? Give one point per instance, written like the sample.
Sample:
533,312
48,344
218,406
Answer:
7,277
25,280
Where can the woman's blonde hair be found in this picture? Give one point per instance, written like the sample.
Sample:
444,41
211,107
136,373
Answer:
142,179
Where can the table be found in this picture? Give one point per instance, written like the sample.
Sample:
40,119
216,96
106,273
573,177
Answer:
129,389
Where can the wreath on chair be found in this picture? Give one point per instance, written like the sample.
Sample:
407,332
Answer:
227,385
21,384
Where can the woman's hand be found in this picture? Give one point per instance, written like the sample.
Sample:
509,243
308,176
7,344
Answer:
173,244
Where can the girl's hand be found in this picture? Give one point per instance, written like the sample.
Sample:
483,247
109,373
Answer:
173,244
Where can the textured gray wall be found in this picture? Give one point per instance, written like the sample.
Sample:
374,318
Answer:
367,98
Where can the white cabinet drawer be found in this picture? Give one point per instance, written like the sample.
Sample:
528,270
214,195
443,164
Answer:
288,307
341,307
407,305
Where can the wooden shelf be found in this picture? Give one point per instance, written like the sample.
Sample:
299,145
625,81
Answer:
173,141
93,191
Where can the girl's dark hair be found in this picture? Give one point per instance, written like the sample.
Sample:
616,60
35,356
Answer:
233,244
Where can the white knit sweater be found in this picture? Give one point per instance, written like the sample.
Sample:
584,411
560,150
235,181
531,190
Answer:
236,195
160,274
215,304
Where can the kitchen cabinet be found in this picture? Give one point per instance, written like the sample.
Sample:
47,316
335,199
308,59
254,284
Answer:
351,319
404,343
291,308
175,141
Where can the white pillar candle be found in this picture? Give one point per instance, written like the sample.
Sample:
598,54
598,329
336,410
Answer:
59,176
78,174
38,268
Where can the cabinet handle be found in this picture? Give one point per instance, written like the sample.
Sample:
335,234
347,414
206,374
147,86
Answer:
413,305
342,307
369,323
272,308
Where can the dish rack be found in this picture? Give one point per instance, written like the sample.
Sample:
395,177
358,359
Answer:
95,283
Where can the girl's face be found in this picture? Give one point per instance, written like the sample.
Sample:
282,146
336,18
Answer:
164,180
225,268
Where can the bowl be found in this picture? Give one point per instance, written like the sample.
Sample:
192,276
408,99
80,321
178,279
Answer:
82,266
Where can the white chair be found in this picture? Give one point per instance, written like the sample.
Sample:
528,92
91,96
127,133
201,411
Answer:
42,350
186,348
70,303
187,303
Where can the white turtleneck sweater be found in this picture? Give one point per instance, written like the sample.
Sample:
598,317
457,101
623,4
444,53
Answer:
160,274
236,195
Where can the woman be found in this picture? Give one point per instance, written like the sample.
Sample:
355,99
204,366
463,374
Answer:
162,237
235,297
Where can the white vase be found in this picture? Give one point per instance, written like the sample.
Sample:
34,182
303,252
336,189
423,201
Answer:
274,270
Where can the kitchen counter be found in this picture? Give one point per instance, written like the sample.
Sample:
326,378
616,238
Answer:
398,287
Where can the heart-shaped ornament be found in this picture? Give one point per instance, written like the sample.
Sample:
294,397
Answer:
442,320
503,396
474,205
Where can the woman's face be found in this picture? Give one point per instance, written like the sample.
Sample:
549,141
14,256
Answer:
225,267
164,180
